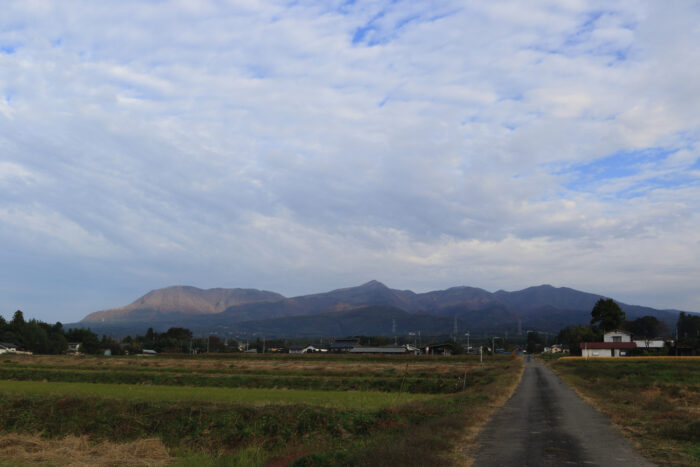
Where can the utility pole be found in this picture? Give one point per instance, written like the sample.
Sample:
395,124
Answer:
676,340
467,333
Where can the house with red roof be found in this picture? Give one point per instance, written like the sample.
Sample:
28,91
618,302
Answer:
615,343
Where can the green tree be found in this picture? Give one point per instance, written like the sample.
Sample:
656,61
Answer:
18,320
647,327
89,340
607,314
574,335
688,329
534,342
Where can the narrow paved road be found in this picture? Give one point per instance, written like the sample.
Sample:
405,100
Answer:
546,424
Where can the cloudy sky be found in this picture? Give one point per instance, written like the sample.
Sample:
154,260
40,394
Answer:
304,146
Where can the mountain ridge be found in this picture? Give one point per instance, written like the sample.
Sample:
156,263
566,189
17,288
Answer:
542,307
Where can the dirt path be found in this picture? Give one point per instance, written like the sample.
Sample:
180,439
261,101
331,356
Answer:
546,424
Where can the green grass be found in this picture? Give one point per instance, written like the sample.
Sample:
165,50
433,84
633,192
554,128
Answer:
415,383
368,400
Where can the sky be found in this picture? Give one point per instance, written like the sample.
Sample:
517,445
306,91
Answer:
303,146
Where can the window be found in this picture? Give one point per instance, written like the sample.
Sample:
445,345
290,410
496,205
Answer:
617,338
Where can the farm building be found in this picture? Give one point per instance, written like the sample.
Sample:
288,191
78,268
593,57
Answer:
439,349
302,349
392,349
344,345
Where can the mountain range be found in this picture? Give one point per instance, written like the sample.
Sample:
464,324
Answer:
370,309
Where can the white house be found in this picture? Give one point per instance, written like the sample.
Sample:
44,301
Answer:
617,336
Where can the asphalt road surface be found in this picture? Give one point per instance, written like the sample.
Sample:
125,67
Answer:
546,423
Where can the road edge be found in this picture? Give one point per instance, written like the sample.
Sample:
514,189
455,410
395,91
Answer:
466,446
621,430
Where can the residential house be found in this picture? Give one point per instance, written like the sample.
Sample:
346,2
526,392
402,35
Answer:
617,336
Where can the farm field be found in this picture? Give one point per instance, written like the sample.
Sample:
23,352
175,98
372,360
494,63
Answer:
247,409
654,401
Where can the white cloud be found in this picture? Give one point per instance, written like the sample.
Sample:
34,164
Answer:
253,143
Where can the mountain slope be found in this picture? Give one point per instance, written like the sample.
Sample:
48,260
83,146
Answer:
182,300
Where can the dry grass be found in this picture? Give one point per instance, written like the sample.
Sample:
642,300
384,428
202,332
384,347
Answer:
16,449
292,363
653,401
480,415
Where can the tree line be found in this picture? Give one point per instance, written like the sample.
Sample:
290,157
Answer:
42,338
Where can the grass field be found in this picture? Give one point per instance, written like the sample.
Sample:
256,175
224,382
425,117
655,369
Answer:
368,400
248,410
654,401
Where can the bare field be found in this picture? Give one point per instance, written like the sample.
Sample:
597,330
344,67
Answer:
243,410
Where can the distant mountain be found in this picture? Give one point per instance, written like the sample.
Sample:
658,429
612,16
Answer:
364,309
375,320
181,300
371,293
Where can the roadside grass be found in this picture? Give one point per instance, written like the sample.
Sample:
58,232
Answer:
654,400
203,426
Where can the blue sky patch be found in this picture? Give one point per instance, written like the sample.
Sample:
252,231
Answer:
8,49
593,175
